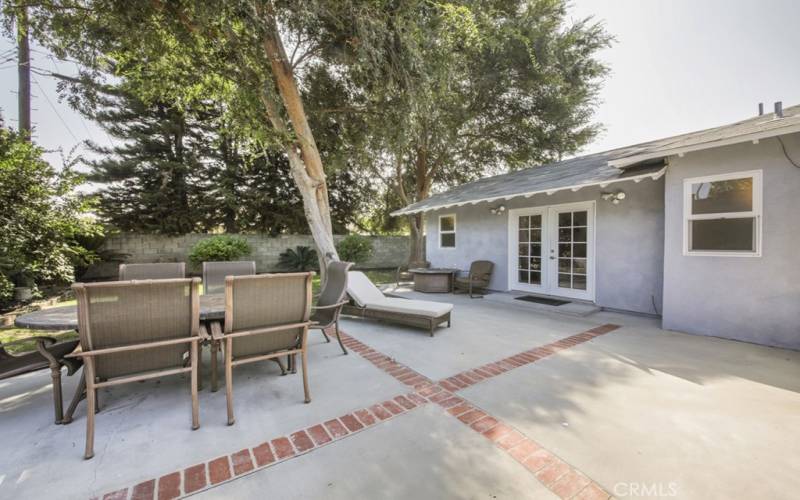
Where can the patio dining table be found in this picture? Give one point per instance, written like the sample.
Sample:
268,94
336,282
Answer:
212,306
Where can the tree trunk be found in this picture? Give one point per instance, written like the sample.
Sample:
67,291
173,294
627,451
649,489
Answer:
304,158
417,247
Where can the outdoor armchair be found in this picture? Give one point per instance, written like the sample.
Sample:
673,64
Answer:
266,317
214,273
404,276
480,272
330,302
157,271
48,354
137,330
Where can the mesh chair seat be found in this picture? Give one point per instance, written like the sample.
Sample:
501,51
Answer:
158,271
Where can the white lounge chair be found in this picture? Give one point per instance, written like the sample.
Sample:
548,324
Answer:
367,301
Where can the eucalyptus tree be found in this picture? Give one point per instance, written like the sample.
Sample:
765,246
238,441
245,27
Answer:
474,88
231,51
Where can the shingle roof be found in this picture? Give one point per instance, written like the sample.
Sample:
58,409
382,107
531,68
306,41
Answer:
631,162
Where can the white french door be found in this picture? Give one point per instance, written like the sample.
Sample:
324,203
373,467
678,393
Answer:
552,250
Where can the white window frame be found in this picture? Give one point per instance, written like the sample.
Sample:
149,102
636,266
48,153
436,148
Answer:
453,232
755,213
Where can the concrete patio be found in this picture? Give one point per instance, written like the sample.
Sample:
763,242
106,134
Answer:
629,412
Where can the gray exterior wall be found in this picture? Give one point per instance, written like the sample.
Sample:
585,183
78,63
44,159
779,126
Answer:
629,241
755,299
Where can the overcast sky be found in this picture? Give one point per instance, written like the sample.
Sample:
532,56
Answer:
676,66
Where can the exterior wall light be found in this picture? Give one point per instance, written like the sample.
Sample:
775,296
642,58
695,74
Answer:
615,197
498,210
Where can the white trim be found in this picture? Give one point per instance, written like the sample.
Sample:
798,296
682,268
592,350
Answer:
756,213
652,175
549,239
628,161
439,232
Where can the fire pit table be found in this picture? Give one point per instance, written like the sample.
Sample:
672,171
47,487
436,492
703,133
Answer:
433,280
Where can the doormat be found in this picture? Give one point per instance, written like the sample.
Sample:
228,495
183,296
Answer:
542,300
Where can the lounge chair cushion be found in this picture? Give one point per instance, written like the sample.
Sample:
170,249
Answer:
411,307
362,290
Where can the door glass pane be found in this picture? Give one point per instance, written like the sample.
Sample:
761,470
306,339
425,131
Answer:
536,250
524,235
580,218
524,221
536,235
579,249
536,264
523,276
579,266
536,278
523,263
564,280
564,234
579,234
573,237
579,282
565,219
523,249
536,221
734,195
564,250
564,265
723,234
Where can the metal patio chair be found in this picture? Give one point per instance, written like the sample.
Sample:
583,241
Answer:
214,273
478,277
155,271
330,302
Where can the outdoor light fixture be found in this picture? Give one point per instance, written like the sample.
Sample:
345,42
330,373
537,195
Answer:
615,197
498,210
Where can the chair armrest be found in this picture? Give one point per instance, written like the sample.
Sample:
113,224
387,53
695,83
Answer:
260,331
339,304
216,331
132,347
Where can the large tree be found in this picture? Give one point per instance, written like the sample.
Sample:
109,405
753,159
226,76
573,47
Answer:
467,89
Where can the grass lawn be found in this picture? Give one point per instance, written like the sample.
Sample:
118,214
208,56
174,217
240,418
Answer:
9,333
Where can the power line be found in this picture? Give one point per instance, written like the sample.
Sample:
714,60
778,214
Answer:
83,121
55,110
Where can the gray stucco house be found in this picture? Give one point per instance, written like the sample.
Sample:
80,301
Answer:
701,229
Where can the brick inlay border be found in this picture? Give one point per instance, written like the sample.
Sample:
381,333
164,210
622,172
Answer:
557,475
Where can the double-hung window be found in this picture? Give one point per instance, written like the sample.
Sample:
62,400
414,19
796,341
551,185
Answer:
447,231
722,215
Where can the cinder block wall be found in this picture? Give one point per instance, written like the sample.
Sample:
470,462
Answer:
388,251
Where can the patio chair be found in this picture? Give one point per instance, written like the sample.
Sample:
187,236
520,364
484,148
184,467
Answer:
266,317
132,331
403,276
157,271
369,302
330,302
48,354
478,277
214,273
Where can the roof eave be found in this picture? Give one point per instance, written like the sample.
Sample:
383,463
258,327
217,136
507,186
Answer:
630,161
636,178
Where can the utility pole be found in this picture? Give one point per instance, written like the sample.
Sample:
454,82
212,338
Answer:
24,73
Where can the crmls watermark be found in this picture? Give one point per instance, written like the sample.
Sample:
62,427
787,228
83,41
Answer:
654,490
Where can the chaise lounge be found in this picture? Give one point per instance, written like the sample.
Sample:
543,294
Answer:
367,301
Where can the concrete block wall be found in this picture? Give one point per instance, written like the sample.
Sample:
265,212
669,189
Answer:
388,251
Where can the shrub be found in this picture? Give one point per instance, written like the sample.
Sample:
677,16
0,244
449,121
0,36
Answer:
355,248
301,258
218,249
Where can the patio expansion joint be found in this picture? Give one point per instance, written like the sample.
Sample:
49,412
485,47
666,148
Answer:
554,473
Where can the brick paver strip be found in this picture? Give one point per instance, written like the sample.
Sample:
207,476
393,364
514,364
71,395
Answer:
219,470
242,462
169,486
194,478
556,474
145,490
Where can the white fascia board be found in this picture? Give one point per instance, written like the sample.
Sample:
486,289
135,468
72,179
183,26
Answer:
637,178
629,161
